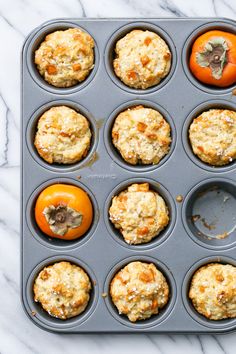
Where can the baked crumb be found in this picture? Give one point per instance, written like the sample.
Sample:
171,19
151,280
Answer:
222,236
179,198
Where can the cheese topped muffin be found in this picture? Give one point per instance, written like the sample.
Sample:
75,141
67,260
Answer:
142,60
65,57
63,136
141,135
139,290
62,289
213,136
213,291
139,213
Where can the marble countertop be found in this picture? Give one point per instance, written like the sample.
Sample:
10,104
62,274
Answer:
17,333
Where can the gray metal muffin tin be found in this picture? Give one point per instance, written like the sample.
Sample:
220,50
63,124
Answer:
185,244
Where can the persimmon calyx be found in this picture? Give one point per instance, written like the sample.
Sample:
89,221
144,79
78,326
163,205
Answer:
214,56
62,218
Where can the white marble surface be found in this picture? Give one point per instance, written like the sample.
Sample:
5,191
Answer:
17,333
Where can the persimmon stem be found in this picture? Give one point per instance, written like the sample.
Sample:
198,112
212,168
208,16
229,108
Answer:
214,56
62,218
216,59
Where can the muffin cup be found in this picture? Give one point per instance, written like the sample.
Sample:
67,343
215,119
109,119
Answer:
40,316
112,150
226,324
52,242
35,42
32,129
227,26
163,235
110,55
209,213
205,106
154,320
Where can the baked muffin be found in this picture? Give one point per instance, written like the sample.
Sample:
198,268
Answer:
141,135
66,57
142,60
62,289
139,290
213,291
139,213
63,136
213,136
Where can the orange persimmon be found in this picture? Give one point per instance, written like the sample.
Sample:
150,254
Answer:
63,211
213,58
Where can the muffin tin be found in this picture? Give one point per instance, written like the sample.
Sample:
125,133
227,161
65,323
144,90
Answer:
186,243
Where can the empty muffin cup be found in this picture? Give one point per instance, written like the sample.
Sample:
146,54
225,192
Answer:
209,213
